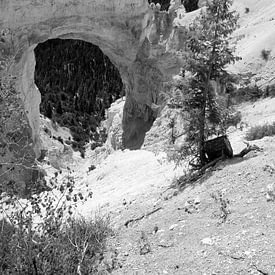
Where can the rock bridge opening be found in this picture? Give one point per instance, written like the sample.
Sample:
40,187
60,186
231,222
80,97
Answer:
77,83
127,31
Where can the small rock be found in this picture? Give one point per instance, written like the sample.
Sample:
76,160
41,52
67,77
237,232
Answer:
173,226
197,200
190,206
270,196
187,204
207,241
270,187
156,202
166,242
144,244
155,230
269,168
145,249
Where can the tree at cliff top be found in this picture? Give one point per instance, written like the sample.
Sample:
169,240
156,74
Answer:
209,55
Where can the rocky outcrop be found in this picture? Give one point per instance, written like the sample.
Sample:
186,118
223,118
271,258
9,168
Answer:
113,124
132,33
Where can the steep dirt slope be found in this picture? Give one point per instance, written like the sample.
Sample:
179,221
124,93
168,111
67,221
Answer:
163,230
256,33
191,232
190,238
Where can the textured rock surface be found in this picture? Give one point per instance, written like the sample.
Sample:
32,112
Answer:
113,124
120,28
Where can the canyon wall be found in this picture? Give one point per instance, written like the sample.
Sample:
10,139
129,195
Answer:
120,28
131,33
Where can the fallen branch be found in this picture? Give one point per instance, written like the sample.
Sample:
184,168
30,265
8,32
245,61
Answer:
142,216
248,149
260,270
232,256
210,164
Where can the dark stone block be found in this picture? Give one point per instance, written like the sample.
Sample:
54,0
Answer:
218,147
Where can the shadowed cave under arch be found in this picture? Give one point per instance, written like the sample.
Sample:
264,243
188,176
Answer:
77,82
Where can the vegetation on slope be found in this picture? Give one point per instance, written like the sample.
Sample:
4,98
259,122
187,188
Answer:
208,54
260,131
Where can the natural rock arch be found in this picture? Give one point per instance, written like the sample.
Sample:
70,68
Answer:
120,28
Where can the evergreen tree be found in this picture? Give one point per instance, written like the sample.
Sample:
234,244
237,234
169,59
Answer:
59,109
48,111
210,53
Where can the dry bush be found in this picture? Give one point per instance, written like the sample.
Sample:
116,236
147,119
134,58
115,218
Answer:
76,249
42,236
269,91
265,54
223,203
260,131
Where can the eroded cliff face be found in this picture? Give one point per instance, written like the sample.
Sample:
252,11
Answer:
132,33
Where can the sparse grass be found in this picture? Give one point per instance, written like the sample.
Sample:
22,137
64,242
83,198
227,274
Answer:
260,131
76,249
265,54
247,93
41,235
251,94
223,203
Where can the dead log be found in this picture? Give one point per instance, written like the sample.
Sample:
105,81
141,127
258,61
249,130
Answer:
142,216
246,150
196,175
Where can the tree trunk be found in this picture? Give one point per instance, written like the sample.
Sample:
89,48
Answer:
202,135
202,119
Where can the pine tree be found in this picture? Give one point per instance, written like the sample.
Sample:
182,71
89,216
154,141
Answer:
48,111
210,53
59,109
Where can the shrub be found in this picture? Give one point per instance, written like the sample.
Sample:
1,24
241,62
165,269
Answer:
258,132
40,235
265,54
247,93
269,91
247,10
75,249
